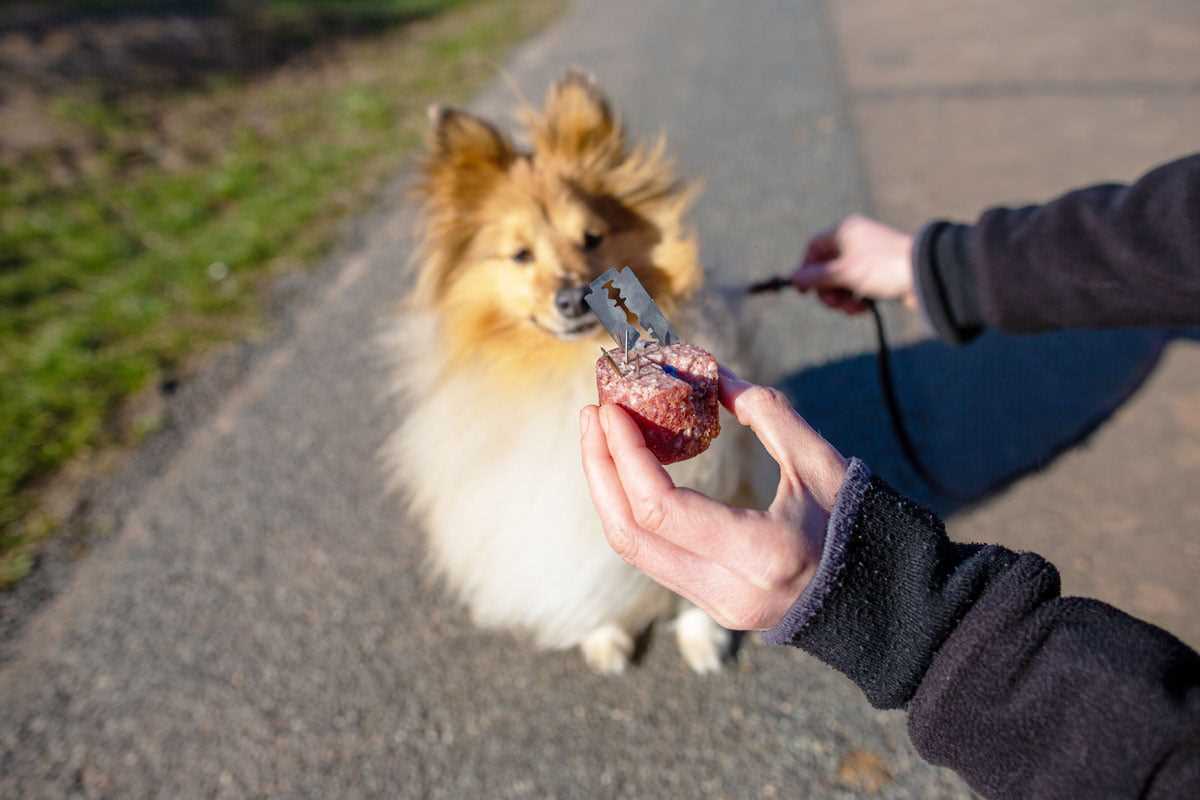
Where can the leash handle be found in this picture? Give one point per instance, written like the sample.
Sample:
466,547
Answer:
778,283
775,284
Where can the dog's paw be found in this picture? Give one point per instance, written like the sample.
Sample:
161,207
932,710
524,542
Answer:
703,643
607,649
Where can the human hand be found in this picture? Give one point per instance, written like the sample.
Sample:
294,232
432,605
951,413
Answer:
858,259
744,567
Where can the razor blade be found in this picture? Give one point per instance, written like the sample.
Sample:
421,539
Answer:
616,297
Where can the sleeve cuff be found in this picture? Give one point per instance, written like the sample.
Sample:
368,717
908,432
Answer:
944,282
833,556
890,589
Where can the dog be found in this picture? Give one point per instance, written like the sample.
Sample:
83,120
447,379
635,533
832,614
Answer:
495,353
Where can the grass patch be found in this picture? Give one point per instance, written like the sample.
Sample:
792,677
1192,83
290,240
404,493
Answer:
141,231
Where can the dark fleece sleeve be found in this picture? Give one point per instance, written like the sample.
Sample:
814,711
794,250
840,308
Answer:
1021,691
1104,256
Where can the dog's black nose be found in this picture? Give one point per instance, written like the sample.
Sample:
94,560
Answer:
569,301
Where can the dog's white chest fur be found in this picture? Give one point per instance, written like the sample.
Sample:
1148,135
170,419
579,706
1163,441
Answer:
501,494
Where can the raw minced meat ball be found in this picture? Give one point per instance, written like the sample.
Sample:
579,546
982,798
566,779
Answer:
671,392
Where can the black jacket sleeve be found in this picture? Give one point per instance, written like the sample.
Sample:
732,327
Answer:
1104,256
1021,691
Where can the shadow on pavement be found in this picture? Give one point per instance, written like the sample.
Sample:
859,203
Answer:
980,415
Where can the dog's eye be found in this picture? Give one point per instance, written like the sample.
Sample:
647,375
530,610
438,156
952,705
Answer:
592,240
523,256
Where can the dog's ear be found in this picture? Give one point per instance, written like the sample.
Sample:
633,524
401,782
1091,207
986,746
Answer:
466,140
578,123
466,159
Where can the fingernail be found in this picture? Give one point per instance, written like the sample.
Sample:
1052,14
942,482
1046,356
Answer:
585,421
604,420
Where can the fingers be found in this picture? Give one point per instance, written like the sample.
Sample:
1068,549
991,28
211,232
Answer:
688,520
762,408
816,269
608,495
768,413
829,280
805,459
822,247
699,579
647,484
842,300
724,596
858,259
729,387
813,275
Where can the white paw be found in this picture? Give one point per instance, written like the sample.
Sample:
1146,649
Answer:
607,649
702,642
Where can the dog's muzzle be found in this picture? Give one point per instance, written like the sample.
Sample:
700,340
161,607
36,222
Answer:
570,303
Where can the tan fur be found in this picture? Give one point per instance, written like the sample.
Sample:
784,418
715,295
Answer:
494,376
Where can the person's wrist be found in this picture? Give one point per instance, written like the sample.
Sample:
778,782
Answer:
829,555
807,534
902,267
808,521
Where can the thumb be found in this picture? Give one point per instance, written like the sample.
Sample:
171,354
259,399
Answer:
804,457
767,411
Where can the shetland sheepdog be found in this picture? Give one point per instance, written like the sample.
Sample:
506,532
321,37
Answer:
495,355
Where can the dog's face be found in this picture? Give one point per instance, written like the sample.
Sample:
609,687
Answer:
540,240
512,238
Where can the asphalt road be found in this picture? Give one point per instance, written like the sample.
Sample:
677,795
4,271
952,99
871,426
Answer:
256,623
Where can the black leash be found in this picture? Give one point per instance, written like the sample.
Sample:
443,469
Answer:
887,385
